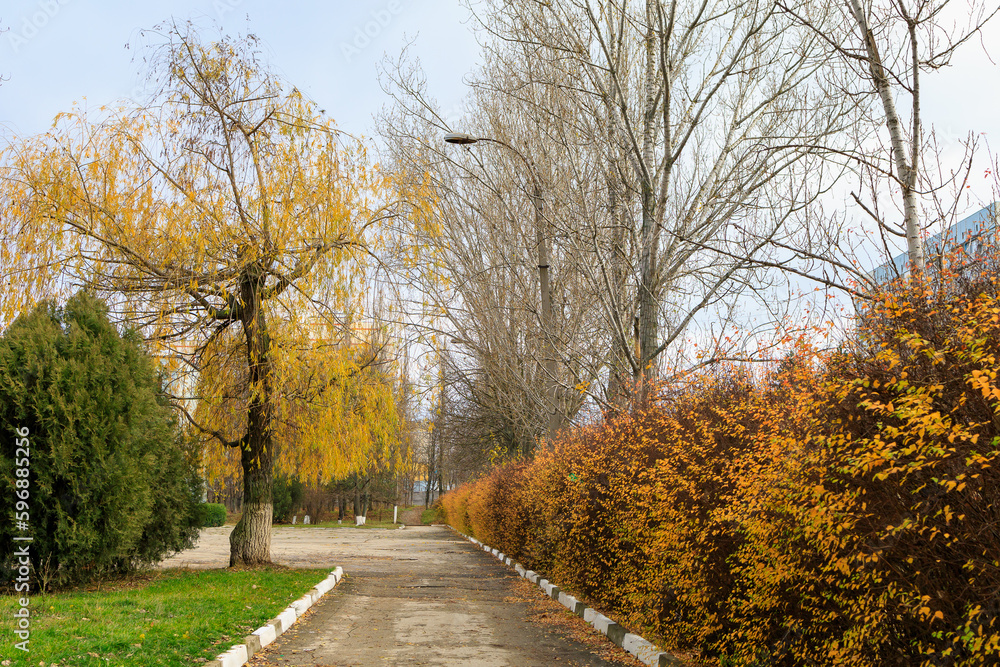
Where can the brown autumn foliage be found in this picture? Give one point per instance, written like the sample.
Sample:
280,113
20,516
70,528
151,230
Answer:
839,509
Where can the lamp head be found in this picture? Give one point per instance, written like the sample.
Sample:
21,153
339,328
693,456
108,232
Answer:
460,138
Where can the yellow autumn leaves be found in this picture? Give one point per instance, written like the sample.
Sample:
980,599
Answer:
227,214
841,513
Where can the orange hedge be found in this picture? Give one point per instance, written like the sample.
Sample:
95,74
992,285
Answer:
836,511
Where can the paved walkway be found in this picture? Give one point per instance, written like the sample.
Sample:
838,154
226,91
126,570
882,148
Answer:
306,547
423,596
298,546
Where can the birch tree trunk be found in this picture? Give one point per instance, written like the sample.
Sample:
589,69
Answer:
905,165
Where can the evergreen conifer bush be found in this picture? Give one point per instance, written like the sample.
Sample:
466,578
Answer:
287,496
112,485
211,515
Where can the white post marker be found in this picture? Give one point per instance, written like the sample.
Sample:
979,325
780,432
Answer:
395,512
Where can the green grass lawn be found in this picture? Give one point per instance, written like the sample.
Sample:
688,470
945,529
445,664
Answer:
166,618
431,515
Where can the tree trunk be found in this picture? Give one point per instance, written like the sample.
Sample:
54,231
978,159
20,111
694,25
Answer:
250,541
619,315
906,171
648,296
621,308
430,471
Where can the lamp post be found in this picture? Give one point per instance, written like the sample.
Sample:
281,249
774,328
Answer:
554,422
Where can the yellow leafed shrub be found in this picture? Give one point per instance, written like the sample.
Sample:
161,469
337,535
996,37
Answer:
836,510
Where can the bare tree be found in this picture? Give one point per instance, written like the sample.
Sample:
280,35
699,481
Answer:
879,52
478,271
670,144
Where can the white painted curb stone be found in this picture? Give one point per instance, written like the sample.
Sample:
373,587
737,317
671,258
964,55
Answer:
601,623
568,601
302,605
643,650
287,617
238,655
235,657
266,634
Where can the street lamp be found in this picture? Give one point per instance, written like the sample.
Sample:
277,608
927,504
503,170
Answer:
460,138
464,139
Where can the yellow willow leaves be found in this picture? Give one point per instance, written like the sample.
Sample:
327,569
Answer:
132,199
336,414
229,179
419,248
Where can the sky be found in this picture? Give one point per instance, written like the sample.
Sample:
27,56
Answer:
57,52
54,53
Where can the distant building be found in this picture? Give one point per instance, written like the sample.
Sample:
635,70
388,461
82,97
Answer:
972,234
419,493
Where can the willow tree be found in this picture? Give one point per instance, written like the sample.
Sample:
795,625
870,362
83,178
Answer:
338,412
227,204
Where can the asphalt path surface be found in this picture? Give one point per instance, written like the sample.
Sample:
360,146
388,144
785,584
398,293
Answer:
417,596
425,596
